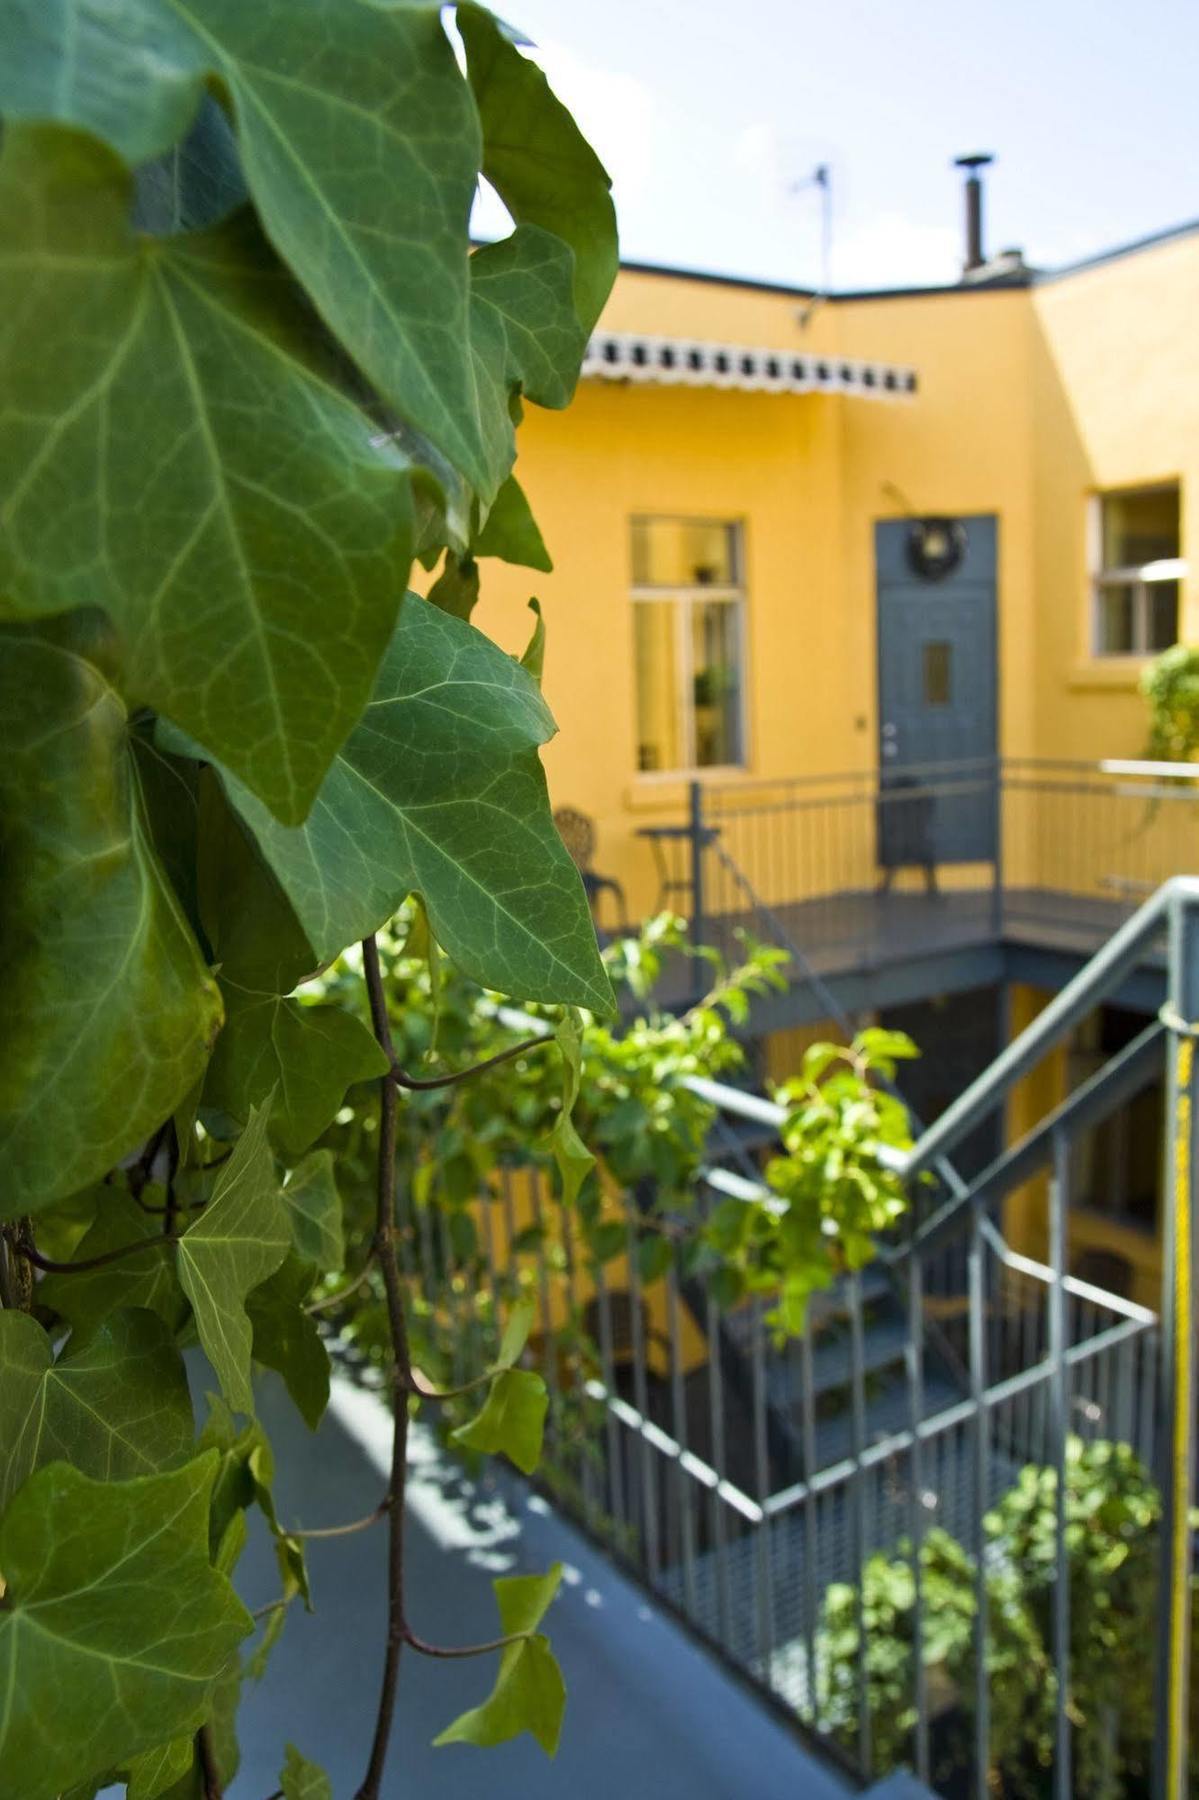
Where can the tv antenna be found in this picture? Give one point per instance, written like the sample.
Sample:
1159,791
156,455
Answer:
821,178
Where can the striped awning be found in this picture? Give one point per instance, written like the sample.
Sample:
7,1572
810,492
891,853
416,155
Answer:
687,362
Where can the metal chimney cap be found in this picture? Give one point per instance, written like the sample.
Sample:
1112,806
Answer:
978,159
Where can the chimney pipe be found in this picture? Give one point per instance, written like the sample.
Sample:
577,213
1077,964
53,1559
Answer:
975,255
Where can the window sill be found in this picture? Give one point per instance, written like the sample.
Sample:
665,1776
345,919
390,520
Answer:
1107,672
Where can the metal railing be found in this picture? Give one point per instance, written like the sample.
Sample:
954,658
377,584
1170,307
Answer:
753,1484
864,868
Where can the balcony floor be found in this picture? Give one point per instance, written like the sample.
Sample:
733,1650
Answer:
649,1713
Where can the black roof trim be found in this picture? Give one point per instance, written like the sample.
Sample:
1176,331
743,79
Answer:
717,280
1168,236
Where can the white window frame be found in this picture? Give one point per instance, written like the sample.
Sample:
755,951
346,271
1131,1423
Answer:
1139,577
683,599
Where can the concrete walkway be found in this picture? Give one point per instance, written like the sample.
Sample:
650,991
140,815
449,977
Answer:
649,1713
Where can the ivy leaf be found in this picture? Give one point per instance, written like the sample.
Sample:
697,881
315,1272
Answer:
512,1419
538,161
314,1207
575,1161
510,531
286,1338
239,1239
526,333
147,1279
303,1780
516,1334
529,1693
115,1624
534,657
297,1059
439,790
154,1771
113,1405
103,974
250,508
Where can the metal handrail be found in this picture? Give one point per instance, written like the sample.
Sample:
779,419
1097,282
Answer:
1105,971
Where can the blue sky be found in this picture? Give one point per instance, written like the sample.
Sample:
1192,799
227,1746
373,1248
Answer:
706,113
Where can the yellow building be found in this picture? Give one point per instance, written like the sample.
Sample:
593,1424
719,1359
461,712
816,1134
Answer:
918,545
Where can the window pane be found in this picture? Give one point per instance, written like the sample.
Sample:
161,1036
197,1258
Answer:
716,663
684,553
1162,619
1114,621
936,674
657,686
1139,527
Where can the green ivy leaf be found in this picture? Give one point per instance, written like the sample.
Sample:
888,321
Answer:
575,1161
112,1405
314,1207
512,1419
516,1334
103,974
534,654
286,1338
239,1239
147,1279
529,1693
298,1058
115,1624
538,161
154,1771
249,508
510,531
303,1780
447,798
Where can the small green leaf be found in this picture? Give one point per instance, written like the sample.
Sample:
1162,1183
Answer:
303,1780
115,1624
534,655
314,1208
575,1161
286,1338
529,1693
113,1405
512,1419
510,531
653,1257
103,974
456,590
516,1334
239,1239
302,1058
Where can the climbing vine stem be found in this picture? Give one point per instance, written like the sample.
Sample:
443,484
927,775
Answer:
401,1371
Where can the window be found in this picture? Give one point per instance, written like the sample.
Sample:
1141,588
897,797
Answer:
688,606
1137,571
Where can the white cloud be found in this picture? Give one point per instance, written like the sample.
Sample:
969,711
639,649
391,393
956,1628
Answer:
892,250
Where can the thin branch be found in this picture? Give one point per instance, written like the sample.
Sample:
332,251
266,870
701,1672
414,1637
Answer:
343,1293
401,1373
7,1291
413,1085
210,1775
49,1267
456,1650
260,1612
335,1531
451,1393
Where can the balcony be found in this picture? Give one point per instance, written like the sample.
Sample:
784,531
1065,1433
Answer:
928,879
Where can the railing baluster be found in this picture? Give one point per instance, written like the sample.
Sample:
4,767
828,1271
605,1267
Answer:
716,1423
762,1564
616,1486
976,1277
915,1361
1059,1200
685,1486
645,1451
858,1513
810,1602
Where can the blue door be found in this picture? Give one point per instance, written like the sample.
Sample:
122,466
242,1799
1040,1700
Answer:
937,690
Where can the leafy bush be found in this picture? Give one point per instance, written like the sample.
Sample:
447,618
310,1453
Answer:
1170,685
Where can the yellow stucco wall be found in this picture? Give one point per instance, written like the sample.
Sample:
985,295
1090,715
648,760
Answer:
1029,400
